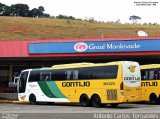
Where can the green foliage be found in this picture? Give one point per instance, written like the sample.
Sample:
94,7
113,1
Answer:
134,18
19,10
41,8
7,11
22,10
2,8
35,13
46,15
65,17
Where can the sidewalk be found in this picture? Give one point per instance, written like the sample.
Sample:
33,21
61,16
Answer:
9,98
9,101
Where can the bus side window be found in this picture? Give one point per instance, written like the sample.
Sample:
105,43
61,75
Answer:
45,76
59,75
158,73
69,74
144,74
72,74
143,77
85,73
75,74
151,74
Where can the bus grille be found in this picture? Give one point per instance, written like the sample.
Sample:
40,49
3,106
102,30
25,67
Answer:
112,94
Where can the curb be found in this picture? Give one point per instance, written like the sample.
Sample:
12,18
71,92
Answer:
11,101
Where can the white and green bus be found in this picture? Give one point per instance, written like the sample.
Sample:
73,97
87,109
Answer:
90,84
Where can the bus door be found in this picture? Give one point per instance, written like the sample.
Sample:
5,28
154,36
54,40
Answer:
131,79
22,85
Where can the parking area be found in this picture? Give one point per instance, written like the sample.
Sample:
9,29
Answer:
66,111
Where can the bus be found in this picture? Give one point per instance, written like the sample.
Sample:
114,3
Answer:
150,75
90,84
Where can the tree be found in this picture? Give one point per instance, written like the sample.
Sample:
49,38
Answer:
46,15
19,10
38,12
41,8
90,19
7,11
2,8
134,18
60,16
35,13
65,17
22,10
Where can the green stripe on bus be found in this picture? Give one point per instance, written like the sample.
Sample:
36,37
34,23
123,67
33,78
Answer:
45,89
54,89
50,89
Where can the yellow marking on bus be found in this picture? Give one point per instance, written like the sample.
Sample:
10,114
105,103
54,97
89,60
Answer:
23,97
132,68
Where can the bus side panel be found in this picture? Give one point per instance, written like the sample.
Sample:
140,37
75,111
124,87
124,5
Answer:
74,89
150,87
44,92
150,82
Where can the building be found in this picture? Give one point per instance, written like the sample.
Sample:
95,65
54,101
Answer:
17,55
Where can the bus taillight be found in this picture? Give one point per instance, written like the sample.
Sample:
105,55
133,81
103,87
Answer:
121,86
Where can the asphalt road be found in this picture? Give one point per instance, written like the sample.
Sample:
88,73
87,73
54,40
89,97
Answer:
76,111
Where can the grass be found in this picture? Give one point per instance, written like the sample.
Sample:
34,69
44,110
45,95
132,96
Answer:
20,28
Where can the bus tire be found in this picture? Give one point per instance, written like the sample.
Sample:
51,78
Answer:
96,100
32,99
114,105
153,99
159,99
85,101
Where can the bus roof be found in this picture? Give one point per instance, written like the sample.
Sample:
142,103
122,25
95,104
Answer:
72,65
150,66
43,68
84,64
77,65
35,69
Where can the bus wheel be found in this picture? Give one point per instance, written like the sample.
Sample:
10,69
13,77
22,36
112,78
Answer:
114,105
96,100
32,99
153,99
159,99
84,100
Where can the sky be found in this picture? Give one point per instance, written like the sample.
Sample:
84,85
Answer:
100,10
